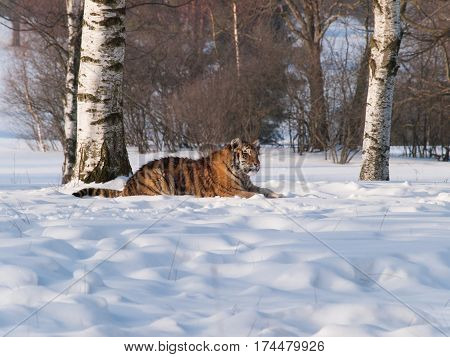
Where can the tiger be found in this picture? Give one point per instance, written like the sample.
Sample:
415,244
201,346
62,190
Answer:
223,173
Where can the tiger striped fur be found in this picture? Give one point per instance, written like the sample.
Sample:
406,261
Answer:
223,173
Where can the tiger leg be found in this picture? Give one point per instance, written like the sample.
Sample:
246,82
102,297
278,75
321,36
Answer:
266,192
233,193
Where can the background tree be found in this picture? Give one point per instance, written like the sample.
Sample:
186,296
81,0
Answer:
236,37
422,104
384,47
181,80
74,22
347,76
35,82
309,20
101,151
11,10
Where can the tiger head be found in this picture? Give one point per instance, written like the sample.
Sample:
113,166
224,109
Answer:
245,156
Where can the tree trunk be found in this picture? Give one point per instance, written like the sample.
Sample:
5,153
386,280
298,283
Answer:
213,29
353,127
101,150
236,39
358,105
15,20
384,48
74,22
37,120
318,126
310,20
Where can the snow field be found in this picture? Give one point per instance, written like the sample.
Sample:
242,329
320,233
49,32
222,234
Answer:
185,266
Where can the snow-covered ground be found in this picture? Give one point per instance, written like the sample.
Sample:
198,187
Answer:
336,257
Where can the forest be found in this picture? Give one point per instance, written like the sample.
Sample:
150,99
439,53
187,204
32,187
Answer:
199,73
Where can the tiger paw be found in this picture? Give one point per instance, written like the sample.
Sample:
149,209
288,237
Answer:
274,195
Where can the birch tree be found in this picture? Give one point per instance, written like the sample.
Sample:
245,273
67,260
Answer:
384,47
74,21
236,38
101,150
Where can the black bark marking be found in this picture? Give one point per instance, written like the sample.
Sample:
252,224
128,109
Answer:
114,42
88,59
106,2
90,27
111,21
373,67
118,11
377,5
86,97
111,119
115,67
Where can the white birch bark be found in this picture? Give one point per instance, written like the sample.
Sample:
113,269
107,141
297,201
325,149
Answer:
236,39
101,151
74,10
384,47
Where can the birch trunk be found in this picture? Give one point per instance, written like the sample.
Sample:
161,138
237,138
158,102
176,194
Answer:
74,19
318,115
101,150
37,120
236,39
384,47
213,29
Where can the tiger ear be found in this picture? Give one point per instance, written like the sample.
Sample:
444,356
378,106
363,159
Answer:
256,144
235,143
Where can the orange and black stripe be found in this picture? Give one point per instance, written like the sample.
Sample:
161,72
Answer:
91,191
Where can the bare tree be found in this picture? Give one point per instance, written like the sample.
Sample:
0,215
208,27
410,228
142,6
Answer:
42,17
236,37
74,22
11,10
384,48
35,92
309,20
346,83
101,151
422,105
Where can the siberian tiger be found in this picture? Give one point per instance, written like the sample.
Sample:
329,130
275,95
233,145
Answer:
222,173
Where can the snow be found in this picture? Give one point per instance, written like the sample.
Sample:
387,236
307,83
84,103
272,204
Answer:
336,257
